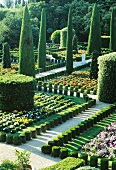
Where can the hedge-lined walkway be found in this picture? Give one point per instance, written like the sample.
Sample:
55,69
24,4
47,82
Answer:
75,64
38,159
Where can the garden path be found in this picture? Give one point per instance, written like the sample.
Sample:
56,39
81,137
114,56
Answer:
37,158
75,64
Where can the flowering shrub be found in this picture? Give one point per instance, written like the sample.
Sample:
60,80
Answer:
104,144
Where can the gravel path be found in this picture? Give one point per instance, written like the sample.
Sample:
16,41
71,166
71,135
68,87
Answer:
39,160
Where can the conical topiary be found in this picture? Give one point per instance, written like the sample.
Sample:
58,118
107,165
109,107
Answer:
69,55
113,30
94,40
26,52
94,65
6,60
42,42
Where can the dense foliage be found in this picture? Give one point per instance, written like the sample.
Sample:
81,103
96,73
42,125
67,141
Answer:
94,40
94,65
112,30
107,78
69,55
6,61
26,52
42,42
56,12
17,92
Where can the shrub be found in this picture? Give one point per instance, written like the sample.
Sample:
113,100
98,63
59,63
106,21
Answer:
17,140
9,138
9,165
94,161
63,153
63,36
105,40
74,43
106,78
67,163
84,156
46,149
55,37
104,163
55,151
94,65
17,92
2,137
6,61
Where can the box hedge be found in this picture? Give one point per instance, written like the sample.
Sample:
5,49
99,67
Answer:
107,78
68,163
16,92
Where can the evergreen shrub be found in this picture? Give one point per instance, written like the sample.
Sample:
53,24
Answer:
63,153
105,41
55,37
46,149
67,163
16,92
107,78
63,36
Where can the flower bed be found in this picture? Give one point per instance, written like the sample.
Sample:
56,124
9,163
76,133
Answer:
104,144
45,105
79,80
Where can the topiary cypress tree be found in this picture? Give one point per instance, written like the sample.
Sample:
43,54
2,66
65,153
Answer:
113,30
94,40
74,42
69,55
26,52
107,78
42,42
6,60
94,65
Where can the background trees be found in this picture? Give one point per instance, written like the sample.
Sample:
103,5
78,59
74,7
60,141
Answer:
56,18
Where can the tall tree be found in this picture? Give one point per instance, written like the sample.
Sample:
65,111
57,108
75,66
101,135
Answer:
113,30
6,61
69,54
42,42
94,40
26,52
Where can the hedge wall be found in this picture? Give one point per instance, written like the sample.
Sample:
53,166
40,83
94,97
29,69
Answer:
16,92
107,78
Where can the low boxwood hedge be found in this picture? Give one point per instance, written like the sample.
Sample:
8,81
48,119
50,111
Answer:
68,163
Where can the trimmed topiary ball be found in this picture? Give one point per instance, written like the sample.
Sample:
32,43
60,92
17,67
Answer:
16,92
107,78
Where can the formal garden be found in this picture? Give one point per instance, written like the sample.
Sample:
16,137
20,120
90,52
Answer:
43,86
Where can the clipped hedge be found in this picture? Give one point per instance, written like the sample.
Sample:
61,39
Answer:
63,36
107,78
67,164
105,41
55,37
16,92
